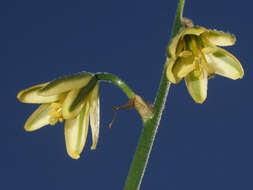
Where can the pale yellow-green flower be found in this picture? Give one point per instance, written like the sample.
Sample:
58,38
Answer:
194,55
72,98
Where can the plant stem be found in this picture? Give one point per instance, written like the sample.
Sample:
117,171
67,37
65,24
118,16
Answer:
144,147
146,141
178,19
116,81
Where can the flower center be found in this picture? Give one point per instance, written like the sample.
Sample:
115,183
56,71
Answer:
195,45
55,113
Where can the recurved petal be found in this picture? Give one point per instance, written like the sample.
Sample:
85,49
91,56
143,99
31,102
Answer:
225,64
66,83
94,115
220,38
197,86
39,118
76,132
30,95
183,67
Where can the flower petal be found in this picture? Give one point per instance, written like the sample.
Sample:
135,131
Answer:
197,86
73,102
176,42
173,46
196,30
66,83
30,95
169,72
76,131
94,115
39,118
220,38
183,67
72,95
225,64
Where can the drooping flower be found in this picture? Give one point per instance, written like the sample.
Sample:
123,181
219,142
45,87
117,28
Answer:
194,55
72,98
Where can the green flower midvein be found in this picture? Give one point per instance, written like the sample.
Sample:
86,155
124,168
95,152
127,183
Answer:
193,55
72,98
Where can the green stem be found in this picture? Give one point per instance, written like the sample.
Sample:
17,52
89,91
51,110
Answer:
146,141
116,81
144,147
178,22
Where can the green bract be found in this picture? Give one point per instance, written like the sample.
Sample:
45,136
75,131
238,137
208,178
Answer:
72,98
193,55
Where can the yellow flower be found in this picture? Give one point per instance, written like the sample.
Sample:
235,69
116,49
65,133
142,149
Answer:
72,98
194,56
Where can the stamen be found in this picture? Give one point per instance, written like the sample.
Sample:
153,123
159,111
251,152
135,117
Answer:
55,113
53,120
194,46
203,64
55,105
184,43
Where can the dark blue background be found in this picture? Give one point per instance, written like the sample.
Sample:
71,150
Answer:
197,147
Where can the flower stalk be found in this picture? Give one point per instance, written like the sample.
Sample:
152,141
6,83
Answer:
116,81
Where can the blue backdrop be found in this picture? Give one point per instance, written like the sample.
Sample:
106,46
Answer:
197,147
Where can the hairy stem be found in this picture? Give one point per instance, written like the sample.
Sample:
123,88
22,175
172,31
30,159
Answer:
146,141
144,147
